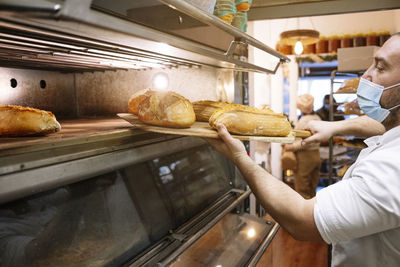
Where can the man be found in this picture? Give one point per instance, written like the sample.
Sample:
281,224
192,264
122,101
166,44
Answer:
323,112
360,215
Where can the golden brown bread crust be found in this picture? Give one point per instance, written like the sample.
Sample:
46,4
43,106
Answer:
251,123
136,98
205,108
166,109
349,86
21,121
352,107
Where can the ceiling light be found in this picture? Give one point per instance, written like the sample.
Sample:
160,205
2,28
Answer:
298,48
306,37
299,38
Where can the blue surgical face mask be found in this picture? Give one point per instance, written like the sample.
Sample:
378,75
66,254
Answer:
368,97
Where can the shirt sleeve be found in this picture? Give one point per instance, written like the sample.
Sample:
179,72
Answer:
366,203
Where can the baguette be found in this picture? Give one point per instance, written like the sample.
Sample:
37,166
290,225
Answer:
246,122
166,109
22,121
205,108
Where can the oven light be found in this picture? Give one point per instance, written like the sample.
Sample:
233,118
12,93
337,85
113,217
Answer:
160,81
7,95
251,233
219,265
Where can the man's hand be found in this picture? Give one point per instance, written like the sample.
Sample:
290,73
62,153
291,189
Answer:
321,132
230,147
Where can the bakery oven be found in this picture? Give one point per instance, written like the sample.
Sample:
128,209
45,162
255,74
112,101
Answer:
99,192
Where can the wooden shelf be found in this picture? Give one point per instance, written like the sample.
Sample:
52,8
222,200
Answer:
72,131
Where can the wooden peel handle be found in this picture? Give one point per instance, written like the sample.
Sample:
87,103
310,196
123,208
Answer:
302,133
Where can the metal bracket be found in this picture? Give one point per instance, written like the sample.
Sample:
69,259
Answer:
232,47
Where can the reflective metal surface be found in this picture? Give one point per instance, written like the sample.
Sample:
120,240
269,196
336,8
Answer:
110,218
75,166
85,37
231,242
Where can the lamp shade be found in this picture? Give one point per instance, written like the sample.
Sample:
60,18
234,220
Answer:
306,37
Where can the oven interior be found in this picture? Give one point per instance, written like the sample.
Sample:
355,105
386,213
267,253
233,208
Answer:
99,192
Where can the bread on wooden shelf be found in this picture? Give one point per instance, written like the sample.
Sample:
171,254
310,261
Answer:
246,122
166,109
22,121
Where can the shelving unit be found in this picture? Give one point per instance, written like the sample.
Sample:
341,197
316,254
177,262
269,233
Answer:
339,159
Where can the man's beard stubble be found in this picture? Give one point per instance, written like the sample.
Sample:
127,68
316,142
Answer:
393,119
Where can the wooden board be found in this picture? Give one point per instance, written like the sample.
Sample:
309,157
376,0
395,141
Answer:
201,129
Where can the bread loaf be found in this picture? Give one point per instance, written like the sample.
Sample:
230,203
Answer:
349,108
166,109
205,108
136,98
349,86
21,121
251,123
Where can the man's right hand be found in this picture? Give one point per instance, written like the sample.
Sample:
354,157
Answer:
230,147
321,131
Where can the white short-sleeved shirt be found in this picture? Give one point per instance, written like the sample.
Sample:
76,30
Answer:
360,215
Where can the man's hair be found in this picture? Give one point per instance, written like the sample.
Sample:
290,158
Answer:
327,97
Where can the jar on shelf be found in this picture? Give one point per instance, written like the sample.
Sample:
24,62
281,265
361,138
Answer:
240,21
359,40
206,5
383,37
371,39
346,41
333,44
243,5
225,10
321,46
309,49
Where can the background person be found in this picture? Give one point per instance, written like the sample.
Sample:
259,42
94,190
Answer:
323,112
306,175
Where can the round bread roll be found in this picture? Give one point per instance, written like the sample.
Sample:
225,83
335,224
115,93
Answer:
166,109
136,98
21,121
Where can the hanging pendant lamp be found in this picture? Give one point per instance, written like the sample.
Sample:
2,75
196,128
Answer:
299,38
306,37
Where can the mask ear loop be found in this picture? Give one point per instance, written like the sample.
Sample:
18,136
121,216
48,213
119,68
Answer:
392,86
393,107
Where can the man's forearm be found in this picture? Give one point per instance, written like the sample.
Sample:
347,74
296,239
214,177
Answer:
286,206
360,126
